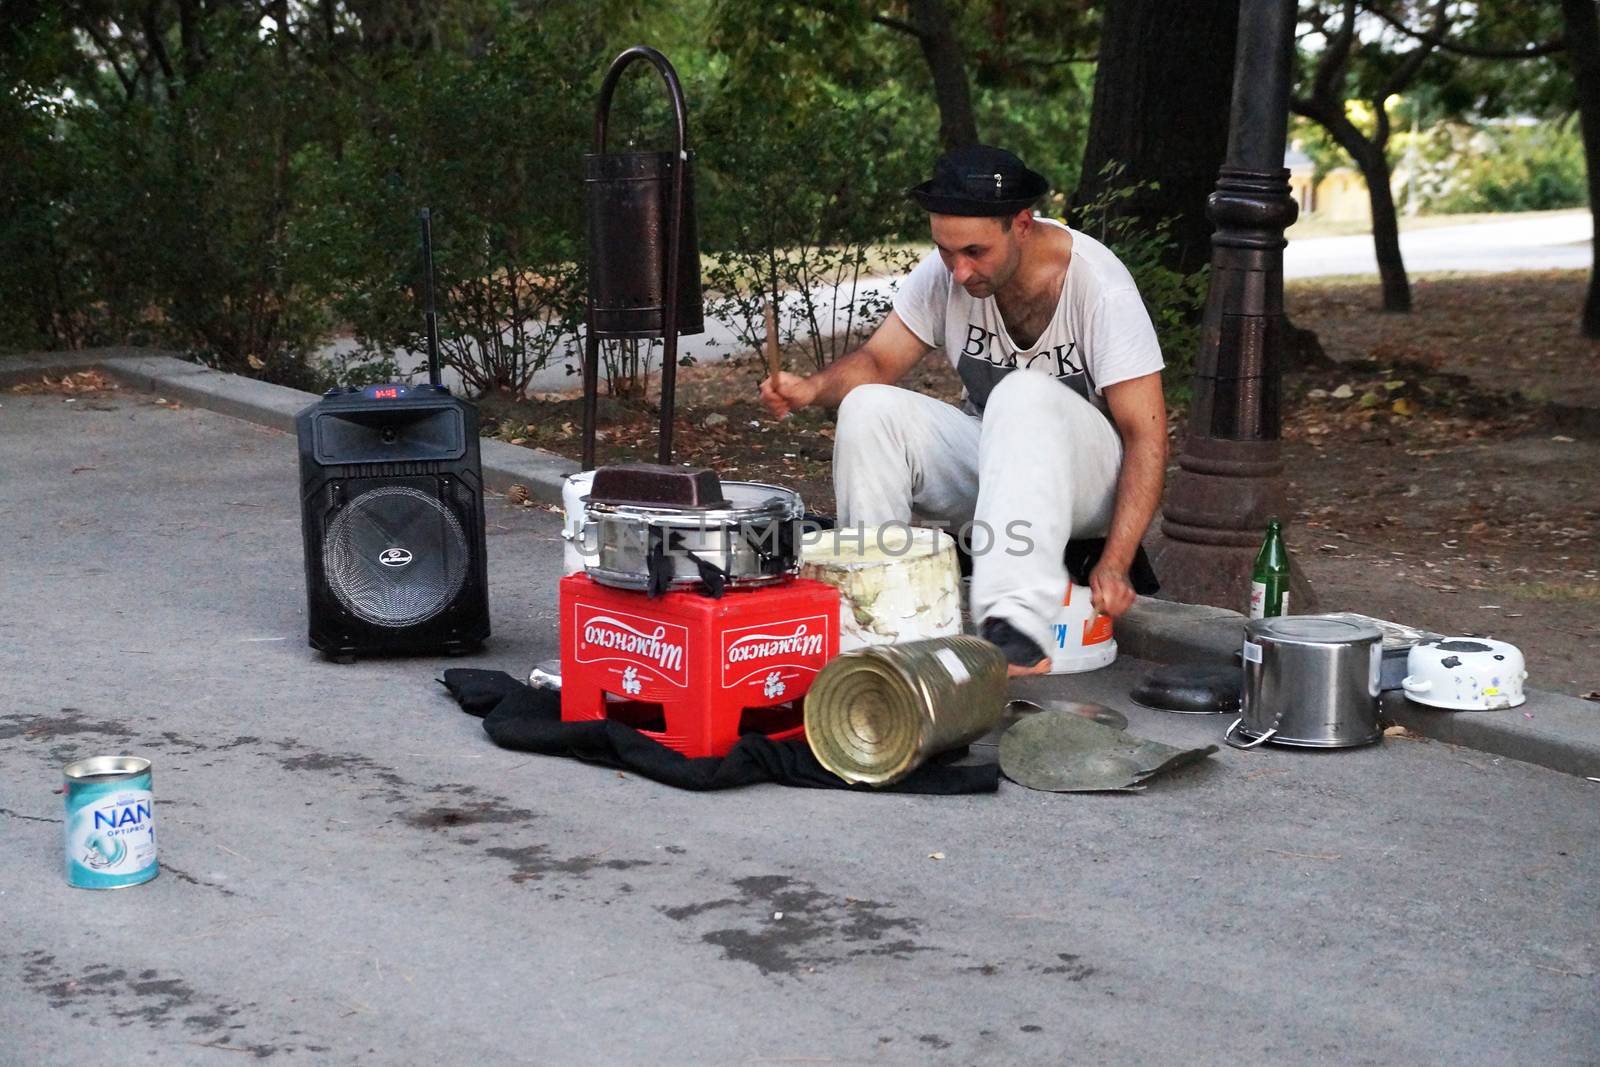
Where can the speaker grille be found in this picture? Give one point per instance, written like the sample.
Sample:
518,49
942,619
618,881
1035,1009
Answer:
395,556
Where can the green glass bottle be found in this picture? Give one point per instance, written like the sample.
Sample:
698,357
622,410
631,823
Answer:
1269,581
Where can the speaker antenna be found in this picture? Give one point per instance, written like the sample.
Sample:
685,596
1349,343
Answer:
429,316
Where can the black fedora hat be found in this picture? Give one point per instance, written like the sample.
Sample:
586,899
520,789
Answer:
979,180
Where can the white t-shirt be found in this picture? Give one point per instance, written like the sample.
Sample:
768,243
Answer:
1100,335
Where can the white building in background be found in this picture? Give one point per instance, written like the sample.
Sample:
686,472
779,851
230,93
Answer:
1340,195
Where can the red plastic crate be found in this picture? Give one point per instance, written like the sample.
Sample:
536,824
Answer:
691,671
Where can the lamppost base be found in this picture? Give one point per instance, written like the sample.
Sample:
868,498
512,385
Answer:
1214,520
1196,572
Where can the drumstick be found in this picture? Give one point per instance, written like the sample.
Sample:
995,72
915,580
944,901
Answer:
774,363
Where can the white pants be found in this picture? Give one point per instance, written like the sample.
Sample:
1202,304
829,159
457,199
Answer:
1040,467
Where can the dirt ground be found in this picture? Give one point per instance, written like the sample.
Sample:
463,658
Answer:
1477,512
1431,481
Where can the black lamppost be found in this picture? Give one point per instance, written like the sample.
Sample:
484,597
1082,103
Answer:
1230,476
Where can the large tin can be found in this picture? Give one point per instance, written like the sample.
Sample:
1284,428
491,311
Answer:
876,714
110,823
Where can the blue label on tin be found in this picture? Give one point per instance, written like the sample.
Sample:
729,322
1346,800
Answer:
111,833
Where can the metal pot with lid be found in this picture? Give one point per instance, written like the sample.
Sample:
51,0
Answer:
1310,681
659,527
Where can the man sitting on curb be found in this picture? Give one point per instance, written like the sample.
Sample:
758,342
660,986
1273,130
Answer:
1064,433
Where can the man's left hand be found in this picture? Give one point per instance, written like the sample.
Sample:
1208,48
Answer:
1112,593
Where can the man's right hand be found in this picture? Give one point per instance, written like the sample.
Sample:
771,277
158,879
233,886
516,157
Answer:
785,392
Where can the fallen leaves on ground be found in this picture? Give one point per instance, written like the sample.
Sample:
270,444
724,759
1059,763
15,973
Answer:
86,381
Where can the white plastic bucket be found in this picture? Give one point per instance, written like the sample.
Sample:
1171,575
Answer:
580,549
1082,639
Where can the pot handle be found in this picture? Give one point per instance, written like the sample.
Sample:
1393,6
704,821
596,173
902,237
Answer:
1412,685
1231,737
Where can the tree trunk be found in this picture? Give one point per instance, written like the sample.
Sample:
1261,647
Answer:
1583,55
1161,107
1374,165
942,50
1372,160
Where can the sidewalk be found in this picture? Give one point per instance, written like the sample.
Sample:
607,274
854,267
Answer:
352,874
1552,730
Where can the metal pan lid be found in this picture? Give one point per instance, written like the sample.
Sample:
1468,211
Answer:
746,502
1311,630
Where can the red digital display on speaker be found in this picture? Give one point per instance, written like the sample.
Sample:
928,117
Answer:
386,394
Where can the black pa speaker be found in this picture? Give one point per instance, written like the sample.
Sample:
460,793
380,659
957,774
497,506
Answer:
391,491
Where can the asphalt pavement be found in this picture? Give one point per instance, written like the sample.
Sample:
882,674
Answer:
352,873
1537,241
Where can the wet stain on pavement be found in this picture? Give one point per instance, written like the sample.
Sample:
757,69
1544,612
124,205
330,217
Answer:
104,994
69,722
170,739
793,928
354,767
689,911
933,1041
329,761
458,788
1070,967
533,863
482,811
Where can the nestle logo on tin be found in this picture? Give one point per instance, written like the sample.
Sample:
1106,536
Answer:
130,815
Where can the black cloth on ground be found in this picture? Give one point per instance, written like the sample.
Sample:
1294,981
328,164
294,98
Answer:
517,716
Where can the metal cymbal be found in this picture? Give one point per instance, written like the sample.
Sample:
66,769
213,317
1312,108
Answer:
1017,710
1098,712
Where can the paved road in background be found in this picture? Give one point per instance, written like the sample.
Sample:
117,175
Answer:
353,874
1536,242
1561,241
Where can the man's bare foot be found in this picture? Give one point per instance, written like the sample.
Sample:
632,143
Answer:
1015,671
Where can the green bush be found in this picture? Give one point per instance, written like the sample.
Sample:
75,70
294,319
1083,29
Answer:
162,216
492,144
1516,168
49,297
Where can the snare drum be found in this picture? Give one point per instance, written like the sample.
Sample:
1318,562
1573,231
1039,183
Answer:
750,541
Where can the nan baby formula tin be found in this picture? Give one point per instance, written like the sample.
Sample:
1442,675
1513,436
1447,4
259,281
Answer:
110,823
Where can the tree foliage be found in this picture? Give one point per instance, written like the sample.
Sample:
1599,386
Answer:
1453,60
472,137
241,180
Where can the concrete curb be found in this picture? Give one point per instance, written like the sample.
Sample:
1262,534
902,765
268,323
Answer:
276,406
1552,730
